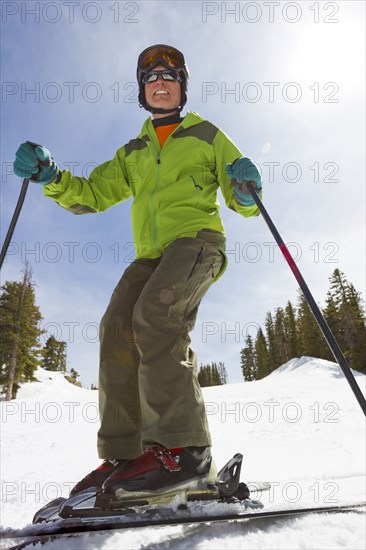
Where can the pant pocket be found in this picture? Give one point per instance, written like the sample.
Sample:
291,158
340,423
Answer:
196,263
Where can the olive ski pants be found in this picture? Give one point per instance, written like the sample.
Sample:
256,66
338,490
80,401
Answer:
148,387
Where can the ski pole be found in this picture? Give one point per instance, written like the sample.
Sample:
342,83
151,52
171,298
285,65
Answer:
328,335
18,208
14,220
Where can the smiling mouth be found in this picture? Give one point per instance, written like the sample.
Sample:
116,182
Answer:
161,92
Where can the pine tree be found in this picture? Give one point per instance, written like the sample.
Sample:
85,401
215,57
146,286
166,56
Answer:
248,364
291,331
310,338
331,316
54,355
216,380
345,315
261,355
74,375
335,298
213,374
203,376
223,373
19,344
355,332
73,378
273,354
294,332
280,337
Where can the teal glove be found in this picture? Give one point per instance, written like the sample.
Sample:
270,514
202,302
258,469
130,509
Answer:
35,163
241,171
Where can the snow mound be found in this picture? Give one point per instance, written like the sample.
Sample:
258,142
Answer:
311,366
306,437
49,384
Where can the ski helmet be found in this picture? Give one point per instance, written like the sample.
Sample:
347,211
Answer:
169,57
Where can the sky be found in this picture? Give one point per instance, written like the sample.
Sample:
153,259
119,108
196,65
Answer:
285,80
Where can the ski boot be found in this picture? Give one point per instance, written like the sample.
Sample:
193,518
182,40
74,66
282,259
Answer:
93,482
158,475
83,493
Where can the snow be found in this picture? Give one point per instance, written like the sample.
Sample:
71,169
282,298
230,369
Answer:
300,428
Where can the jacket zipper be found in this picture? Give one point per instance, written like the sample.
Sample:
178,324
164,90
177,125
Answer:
152,207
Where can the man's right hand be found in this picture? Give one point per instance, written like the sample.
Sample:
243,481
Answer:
35,163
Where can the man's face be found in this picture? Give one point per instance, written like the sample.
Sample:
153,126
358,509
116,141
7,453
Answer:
163,94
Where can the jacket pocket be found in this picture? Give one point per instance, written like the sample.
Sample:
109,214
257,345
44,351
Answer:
197,191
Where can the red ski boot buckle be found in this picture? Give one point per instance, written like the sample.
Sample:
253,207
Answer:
164,456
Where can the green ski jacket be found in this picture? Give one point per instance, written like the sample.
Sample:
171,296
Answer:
174,187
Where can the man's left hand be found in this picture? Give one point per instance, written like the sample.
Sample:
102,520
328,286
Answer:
242,171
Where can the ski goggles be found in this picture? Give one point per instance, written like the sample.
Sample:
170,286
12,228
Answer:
168,56
152,76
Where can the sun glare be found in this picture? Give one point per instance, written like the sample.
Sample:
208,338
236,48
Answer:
335,56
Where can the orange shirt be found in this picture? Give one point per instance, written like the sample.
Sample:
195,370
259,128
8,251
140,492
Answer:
163,132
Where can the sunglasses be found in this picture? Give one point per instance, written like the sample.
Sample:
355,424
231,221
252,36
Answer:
152,76
151,57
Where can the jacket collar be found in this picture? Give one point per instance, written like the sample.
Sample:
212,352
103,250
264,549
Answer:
191,119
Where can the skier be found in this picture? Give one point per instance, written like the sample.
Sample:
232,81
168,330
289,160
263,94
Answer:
154,436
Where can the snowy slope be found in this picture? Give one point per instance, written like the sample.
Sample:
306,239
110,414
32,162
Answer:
300,428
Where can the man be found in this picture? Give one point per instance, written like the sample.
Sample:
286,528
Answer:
154,434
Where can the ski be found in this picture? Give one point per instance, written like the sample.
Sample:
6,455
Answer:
61,529
228,500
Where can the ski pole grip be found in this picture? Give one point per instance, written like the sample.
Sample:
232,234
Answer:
43,162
